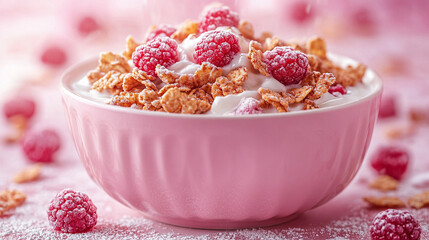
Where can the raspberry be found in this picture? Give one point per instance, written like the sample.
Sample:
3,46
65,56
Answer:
248,106
161,31
301,11
87,25
387,107
391,161
19,106
40,146
286,65
395,224
337,90
218,17
216,47
72,212
54,56
161,50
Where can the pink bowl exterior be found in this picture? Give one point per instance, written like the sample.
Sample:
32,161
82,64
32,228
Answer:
226,172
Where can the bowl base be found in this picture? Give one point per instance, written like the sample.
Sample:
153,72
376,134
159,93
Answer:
220,224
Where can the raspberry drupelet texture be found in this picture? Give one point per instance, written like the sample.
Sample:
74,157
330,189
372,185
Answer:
248,106
393,224
40,146
161,31
286,65
72,212
217,48
218,17
19,107
161,50
337,90
391,160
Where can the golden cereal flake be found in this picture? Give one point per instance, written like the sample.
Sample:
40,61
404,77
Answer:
419,200
150,100
348,76
207,73
10,199
309,105
29,174
322,85
385,202
246,29
314,63
111,81
175,101
231,84
317,46
279,100
20,126
256,58
272,42
125,99
107,62
384,183
185,29
138,80
264,35
299,94
131,46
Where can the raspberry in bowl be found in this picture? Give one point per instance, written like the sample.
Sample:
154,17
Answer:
222,142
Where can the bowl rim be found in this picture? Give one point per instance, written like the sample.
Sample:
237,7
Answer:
66,90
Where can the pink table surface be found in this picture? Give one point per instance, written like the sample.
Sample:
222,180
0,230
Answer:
345,217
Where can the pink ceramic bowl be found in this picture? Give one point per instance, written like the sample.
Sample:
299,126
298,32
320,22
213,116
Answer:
220,171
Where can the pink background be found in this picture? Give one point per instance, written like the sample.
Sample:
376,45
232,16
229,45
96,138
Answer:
391,37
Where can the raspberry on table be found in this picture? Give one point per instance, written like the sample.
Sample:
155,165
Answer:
19,107
217,48
248,106
161,50
161,31
391,161
40,146
393,224
388,107
218,17
287,65
72,212
87,25
54,56
337,90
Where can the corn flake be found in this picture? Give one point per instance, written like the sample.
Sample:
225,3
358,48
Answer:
246,29
131,46
385,202
187,28
126,99
419,200
256,58
279,100
10,199
231,84
107,62
207,73
175,101
385,183
323,82
29,174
